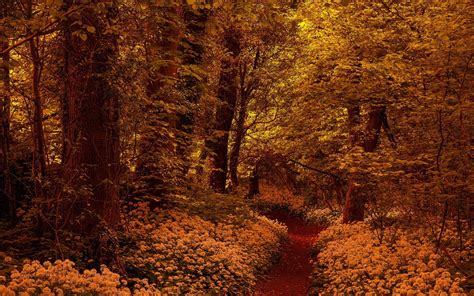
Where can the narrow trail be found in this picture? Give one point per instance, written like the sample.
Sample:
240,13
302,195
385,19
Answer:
290,276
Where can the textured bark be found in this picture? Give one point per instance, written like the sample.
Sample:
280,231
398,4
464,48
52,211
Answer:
7,198
90,125
355,198
227,97
235,151
192,88
157,143
374,125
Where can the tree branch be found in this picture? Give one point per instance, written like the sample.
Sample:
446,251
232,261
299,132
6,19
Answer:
315,169
43,31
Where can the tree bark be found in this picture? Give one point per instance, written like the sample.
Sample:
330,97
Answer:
90,126
192,88
158,139
227,96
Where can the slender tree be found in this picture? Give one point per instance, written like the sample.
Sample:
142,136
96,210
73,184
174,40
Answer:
227,97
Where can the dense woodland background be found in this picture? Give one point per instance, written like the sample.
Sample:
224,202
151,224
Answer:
200,107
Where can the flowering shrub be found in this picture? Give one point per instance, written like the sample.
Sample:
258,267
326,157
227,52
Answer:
62,278
352,261
185,254
165,251
323,217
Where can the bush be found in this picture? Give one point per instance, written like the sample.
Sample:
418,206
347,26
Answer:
62,278
185,254
165,251
352,261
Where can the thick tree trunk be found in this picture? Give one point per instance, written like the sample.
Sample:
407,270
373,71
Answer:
158,140
355,198
7,198
192,88
376,119
227,96
90,128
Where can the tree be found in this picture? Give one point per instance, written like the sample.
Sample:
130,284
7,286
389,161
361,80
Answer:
227,97
7,196
90,123
156,166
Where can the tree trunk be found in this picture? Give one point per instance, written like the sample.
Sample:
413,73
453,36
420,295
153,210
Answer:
235,152
227,96
7,200
91,128
192,88
254,182
158,140
355,198
240,130
39,154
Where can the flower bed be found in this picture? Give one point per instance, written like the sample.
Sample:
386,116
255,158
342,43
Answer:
351,261
169,252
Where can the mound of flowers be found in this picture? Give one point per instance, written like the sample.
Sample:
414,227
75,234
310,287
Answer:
352,261
185,254
62,278
168,252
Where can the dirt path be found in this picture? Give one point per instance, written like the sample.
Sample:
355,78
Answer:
290,276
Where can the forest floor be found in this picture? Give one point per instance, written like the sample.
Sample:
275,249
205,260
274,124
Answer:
290,275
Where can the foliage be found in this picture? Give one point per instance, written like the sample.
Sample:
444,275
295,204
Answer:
182,253
352,260
322,216
62,278
273,197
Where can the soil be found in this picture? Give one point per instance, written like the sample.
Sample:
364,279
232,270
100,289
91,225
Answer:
291,274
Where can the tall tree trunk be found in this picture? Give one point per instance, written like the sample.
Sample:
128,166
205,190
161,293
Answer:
7,200
235,151
158,139
192,88
355,198
227,96
39,154
246,90
91,128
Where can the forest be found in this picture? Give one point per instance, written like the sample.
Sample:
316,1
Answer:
231,147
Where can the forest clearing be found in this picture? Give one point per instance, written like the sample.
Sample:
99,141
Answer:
214,147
